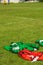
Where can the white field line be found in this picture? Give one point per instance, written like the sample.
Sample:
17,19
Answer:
26,18
30,19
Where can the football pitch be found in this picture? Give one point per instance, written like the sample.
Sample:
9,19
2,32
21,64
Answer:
20,22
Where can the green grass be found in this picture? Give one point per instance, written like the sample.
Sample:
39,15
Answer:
20,22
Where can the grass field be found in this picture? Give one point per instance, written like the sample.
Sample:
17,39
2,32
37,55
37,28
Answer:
20,22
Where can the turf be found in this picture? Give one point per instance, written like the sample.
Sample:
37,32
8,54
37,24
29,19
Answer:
20,22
